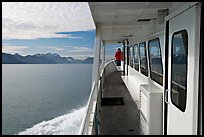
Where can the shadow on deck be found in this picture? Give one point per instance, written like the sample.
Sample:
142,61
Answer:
121,115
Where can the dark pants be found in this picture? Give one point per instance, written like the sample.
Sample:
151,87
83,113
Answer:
118,62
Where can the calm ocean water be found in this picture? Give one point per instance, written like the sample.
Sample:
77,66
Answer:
44,98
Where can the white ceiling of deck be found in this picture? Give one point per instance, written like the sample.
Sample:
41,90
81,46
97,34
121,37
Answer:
118,19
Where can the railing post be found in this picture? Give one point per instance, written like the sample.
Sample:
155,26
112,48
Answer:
97,48
103,53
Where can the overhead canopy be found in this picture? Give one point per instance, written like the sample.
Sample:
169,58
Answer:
122,20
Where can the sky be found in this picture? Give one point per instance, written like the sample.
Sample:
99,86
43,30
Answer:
64,28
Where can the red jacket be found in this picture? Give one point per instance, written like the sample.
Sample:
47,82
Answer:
119,55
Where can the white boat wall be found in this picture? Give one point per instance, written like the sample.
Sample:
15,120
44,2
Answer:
157,90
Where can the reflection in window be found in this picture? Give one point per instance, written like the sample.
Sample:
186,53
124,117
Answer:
136,57
143,59
131,56
156,70
128,55
179,69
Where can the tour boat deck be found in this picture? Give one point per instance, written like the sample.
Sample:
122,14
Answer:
118,119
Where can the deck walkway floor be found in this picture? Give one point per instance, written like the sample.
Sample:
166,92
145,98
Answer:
118,119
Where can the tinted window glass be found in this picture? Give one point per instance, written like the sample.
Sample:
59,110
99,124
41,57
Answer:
131,56
179,69
136,57
143,59
156,70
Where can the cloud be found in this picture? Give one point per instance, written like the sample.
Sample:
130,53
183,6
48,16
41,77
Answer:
71,49
59,48
12,49
32,20
81,49
79,52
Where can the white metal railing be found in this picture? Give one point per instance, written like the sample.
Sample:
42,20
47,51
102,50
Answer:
87,122
86,119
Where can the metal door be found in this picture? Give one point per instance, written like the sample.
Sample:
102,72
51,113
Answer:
181,95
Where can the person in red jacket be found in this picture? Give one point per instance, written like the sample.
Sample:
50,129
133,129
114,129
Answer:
118,57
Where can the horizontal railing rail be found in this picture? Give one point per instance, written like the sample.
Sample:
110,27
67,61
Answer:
87,122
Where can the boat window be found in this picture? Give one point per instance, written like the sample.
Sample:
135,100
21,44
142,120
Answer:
136,57
179,69
155,60
143,59
131,56
128,55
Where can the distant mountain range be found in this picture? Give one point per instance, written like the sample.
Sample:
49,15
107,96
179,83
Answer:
49,58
